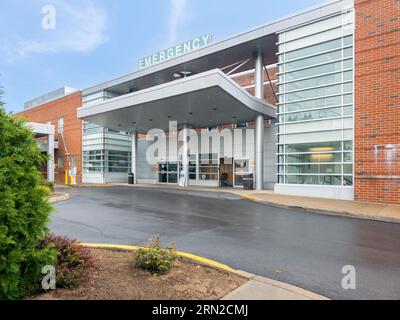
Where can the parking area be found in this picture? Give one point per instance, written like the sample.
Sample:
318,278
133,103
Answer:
306,250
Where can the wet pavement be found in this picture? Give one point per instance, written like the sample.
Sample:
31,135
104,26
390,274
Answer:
303,249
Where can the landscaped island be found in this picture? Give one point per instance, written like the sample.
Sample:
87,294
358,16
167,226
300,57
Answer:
116,277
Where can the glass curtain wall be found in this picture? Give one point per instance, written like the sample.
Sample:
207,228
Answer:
106,154
315,139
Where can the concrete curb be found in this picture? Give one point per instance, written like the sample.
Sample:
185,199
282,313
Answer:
59,197
251,277
322,211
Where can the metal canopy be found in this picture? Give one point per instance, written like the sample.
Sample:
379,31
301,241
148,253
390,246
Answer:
41,129
204,100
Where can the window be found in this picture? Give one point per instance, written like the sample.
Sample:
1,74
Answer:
314,71
208,166
61,125
316,103
168,172
330,45
326,57
314,82
73,161
60,162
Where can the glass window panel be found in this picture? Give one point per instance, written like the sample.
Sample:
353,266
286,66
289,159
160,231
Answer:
348,76
348,157
315,169
322,136
326,46
314,158
348,181
314,82
348,145
310,115
314,71
348,99
61,125
314,147
60,162
242,166
348,169
319,180
314,104
326,57
348,87
348,64
348,52
314,93
348,41
348,111
313,39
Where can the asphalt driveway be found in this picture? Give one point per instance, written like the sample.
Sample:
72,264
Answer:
307,250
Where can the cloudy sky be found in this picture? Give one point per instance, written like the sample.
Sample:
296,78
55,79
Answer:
97,40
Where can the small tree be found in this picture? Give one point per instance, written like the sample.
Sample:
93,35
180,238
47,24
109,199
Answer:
24,210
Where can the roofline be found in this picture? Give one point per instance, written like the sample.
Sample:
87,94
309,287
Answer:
278,25
50,101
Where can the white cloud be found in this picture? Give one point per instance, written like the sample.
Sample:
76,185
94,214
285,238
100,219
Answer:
80,27
177,18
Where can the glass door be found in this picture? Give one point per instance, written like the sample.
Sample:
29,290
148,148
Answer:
168,172
241,168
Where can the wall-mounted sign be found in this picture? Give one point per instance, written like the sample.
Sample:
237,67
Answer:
175,51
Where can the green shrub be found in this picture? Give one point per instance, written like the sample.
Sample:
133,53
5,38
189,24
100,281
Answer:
48,184
74,263
154,258
24,210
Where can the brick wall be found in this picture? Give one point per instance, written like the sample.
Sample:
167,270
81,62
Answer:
377,94
66,108
247,81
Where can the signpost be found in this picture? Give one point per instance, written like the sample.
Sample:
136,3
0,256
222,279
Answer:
175,51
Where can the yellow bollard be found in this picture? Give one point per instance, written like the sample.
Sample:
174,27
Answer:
66,177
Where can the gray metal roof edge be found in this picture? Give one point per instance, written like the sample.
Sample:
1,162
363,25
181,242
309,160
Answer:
258,105
41,128
221,80
298,18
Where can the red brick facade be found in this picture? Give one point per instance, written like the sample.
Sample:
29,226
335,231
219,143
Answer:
377,107
247,81
65,108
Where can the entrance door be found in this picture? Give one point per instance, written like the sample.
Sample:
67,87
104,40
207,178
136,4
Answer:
168,172
241,168
226,172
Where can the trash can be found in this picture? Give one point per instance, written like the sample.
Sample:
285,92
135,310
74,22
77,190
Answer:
131,178
248,182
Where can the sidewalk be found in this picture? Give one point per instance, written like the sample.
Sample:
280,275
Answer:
371,211
361,210
260,288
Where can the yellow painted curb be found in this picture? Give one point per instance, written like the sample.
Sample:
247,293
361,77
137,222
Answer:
246,196
179,253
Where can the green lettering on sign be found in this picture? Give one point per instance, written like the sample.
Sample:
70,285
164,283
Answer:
176,51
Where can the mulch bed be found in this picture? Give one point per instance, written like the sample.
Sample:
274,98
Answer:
117,278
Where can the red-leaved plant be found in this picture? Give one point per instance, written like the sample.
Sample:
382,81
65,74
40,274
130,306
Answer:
74,264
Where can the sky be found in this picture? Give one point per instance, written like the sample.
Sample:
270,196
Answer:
46,44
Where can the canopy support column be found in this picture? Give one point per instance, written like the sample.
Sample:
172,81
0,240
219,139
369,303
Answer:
259,93
50,161
134,157
185,156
